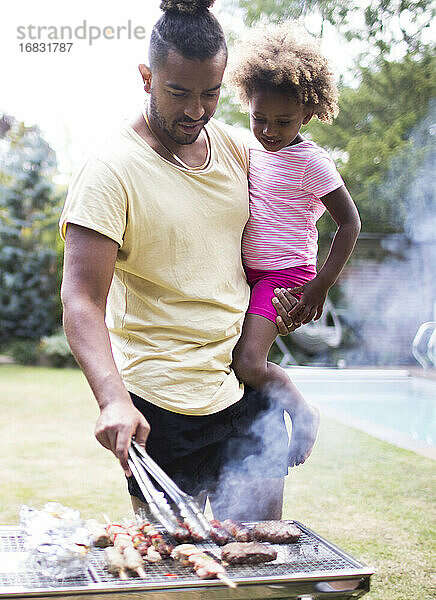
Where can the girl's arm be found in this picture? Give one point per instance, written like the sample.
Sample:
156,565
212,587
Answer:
343,210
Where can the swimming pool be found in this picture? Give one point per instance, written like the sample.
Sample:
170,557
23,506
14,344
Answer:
386,403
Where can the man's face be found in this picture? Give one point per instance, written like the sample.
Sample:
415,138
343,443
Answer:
184,95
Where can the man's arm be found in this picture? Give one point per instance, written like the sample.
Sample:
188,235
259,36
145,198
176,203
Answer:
88,270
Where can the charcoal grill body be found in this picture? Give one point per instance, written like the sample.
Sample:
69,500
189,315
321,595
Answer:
308,570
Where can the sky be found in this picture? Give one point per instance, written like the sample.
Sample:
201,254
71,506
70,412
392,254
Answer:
75,97
78,97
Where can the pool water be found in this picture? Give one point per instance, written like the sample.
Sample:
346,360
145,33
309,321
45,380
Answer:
396,402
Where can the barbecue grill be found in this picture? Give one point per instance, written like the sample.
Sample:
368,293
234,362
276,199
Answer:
310,569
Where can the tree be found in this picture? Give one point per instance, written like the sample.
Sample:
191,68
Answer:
382,24
271,11
374,127
376,118
27,213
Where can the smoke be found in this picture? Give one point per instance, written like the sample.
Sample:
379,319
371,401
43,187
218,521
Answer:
398,296
252,457
258,452
400,291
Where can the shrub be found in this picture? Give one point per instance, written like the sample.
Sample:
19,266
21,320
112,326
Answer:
23,351
56,348
29,210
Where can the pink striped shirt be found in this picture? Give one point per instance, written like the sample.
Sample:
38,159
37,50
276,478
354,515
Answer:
285,191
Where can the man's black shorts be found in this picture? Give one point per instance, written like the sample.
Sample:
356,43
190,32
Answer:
250,436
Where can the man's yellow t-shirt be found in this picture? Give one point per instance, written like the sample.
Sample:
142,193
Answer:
178,296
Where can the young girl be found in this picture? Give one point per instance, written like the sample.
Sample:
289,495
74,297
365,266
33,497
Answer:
285,81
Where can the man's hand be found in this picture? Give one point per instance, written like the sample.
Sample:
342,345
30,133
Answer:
117,423
311,303
283,302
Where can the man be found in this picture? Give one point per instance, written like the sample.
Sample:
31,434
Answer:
153,226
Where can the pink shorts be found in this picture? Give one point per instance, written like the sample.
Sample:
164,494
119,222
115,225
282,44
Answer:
263,284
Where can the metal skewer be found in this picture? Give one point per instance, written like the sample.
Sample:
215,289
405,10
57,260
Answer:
159,507
185,503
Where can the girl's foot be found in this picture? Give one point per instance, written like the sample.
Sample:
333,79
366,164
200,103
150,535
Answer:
305,425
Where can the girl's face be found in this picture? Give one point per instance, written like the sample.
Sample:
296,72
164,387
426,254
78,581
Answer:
276,118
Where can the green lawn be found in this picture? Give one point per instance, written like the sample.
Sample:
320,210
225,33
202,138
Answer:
370,498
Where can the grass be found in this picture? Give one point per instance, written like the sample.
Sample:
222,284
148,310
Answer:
372,499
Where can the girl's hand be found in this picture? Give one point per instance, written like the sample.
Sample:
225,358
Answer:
310,305
283,302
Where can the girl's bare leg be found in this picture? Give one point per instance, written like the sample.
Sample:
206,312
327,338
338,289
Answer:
250,362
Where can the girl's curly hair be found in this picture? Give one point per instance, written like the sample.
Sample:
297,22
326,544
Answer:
287,58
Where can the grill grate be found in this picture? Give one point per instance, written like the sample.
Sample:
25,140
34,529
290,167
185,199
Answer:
14,557
33,580
309,555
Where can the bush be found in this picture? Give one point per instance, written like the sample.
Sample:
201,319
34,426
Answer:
56,348
29,210
27,293
24,352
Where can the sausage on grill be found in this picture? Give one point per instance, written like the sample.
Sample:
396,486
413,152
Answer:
218,534
237,530
181,534
195,535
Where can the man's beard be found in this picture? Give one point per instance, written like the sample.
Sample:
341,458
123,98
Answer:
170,130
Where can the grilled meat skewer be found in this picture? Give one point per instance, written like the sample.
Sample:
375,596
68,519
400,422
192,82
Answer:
142,547
126,541
204,565
183,552
114,529
99,535
123,555
152,535
152,555
122,540
141,536
133,561
115,562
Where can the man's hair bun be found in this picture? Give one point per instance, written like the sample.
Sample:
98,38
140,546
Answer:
185,6
189,28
